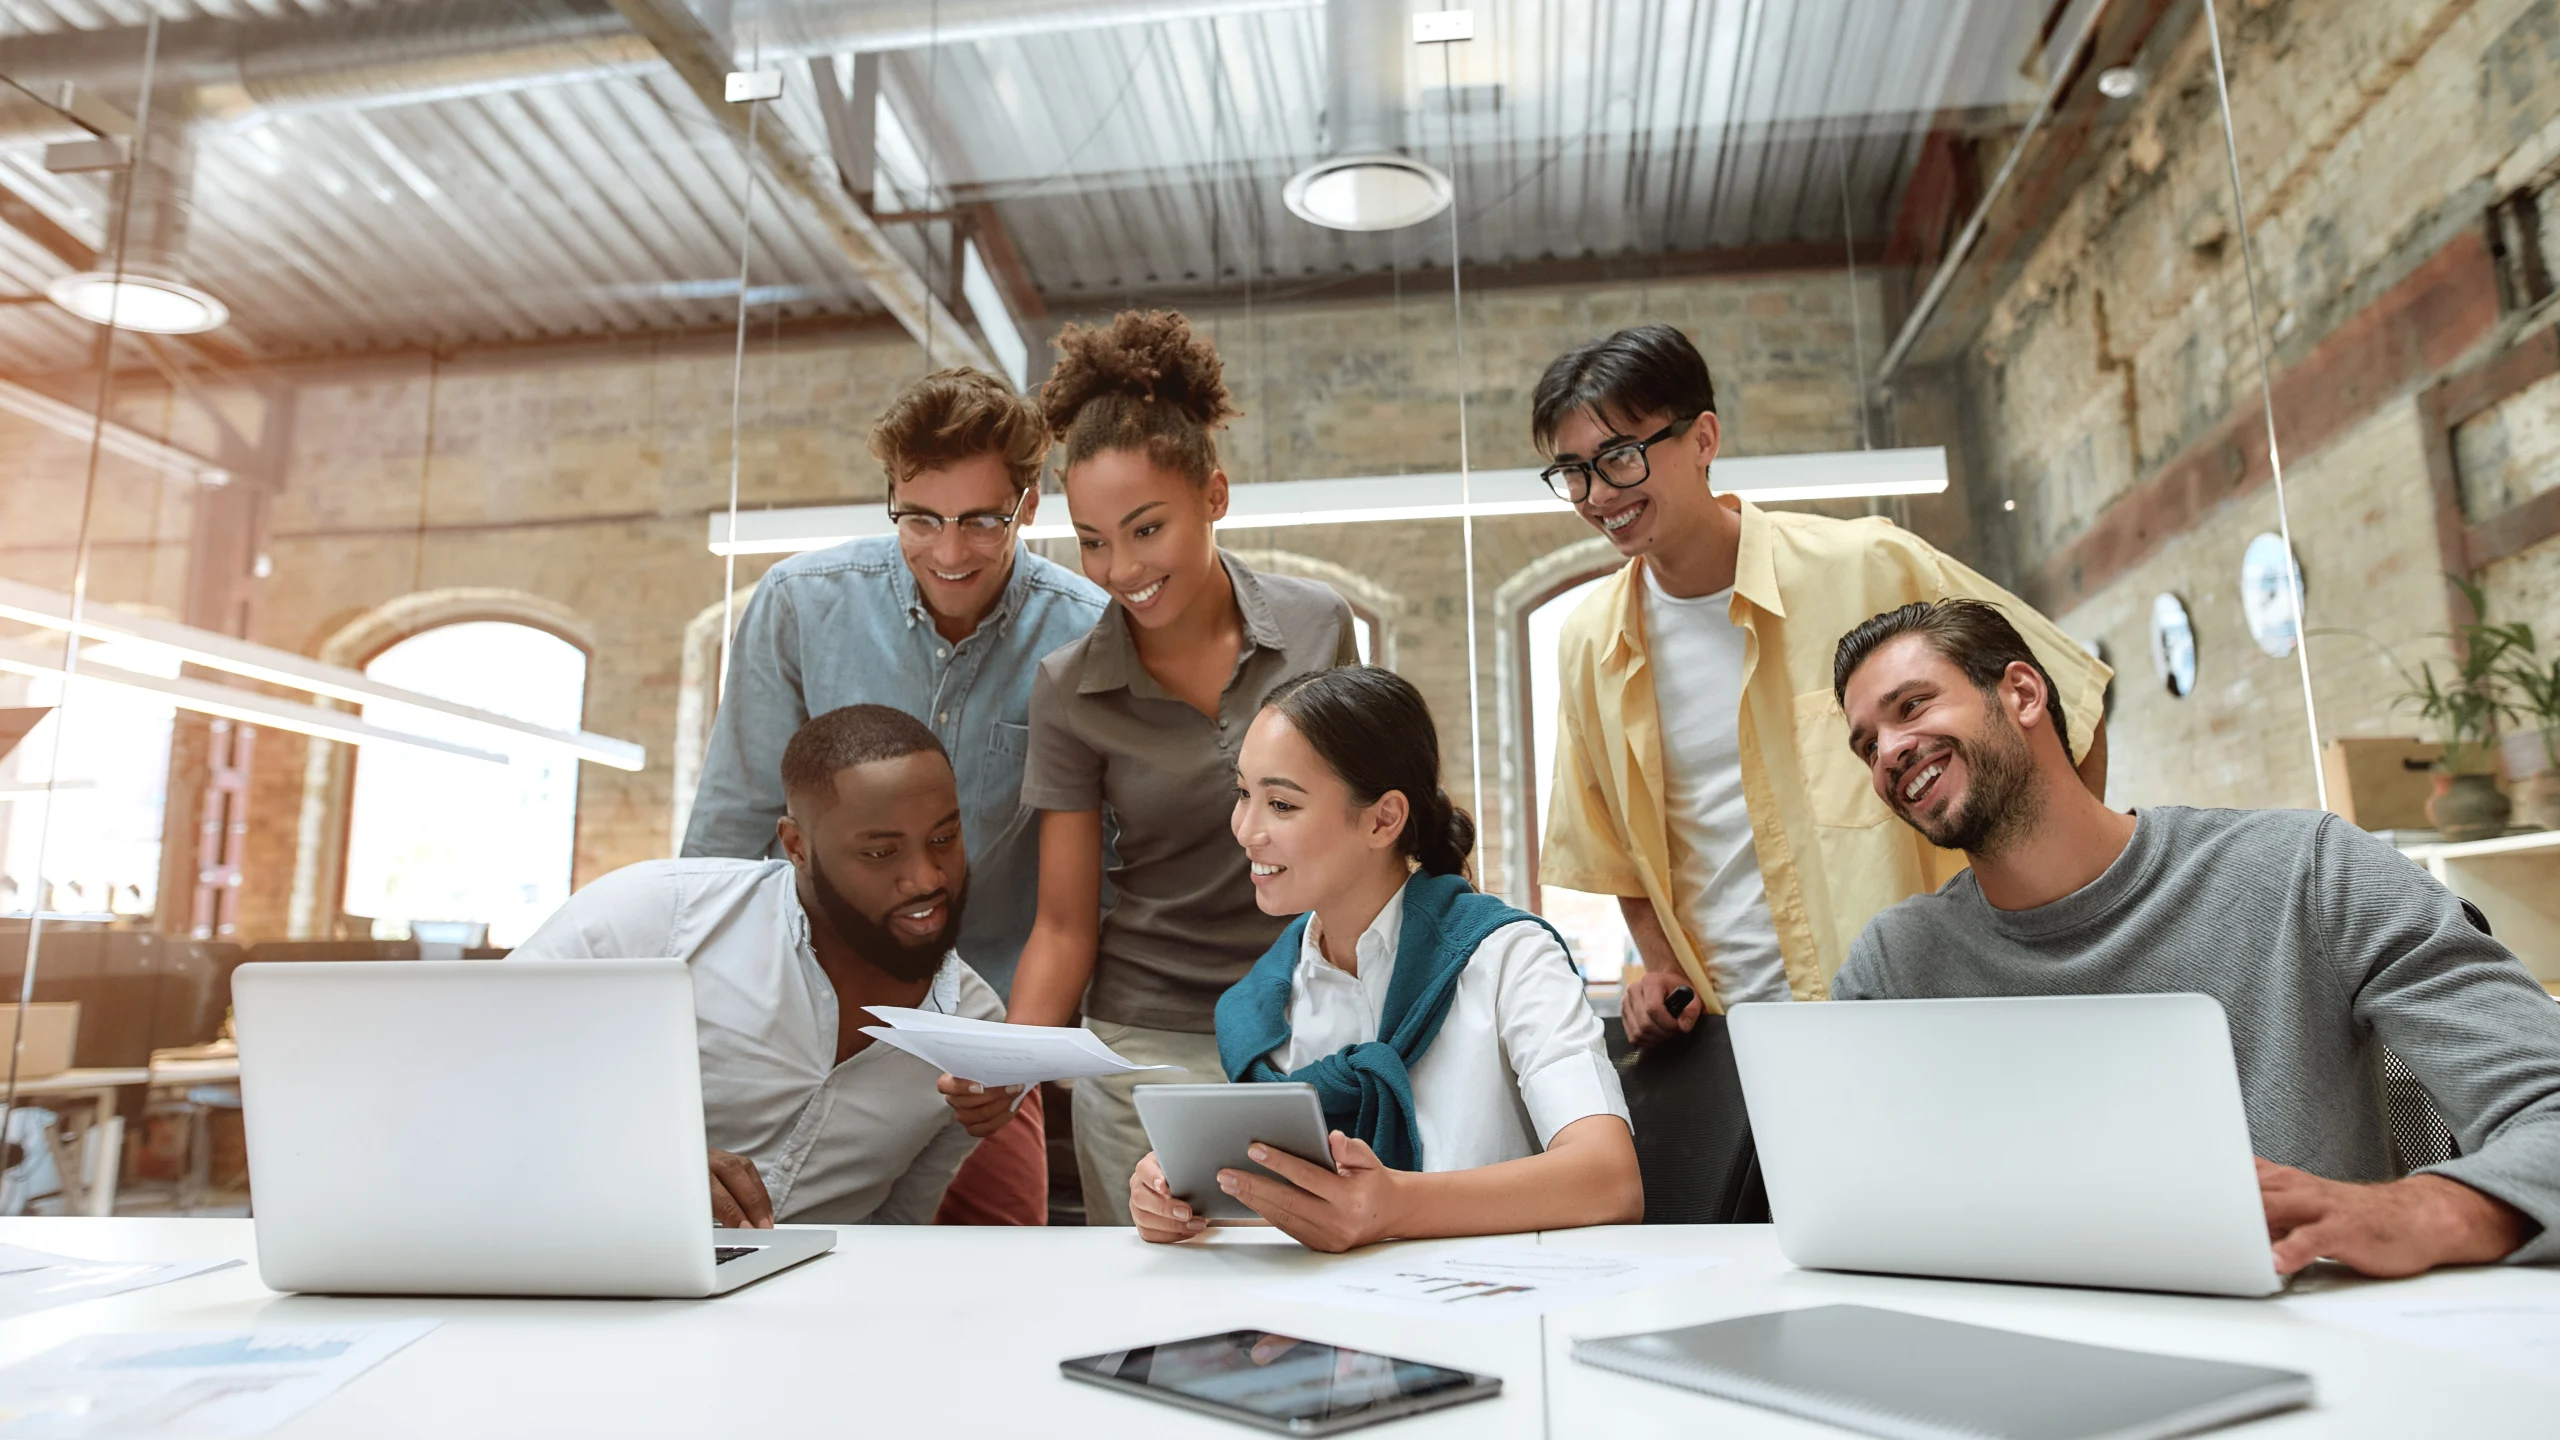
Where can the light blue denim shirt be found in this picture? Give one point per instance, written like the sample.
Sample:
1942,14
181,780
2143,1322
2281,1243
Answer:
844,626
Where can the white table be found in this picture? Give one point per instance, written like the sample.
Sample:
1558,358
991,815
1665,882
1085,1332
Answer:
953,1332
88,1150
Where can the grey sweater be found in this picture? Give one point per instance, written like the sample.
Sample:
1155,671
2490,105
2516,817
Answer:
2323,945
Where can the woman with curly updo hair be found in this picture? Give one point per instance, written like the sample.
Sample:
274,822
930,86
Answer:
1138,724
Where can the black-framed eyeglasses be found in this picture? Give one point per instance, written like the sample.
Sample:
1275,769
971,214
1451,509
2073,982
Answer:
1622,466
983,529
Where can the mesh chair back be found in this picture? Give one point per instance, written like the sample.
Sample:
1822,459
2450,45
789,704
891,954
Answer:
1693,1136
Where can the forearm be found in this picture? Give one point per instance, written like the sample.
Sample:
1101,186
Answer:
1587,1177
1049,983
1644,927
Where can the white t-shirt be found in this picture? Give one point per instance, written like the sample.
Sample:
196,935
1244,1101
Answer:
1519,1058
1695,651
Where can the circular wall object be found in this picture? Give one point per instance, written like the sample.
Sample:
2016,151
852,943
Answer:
2275,618
2173,644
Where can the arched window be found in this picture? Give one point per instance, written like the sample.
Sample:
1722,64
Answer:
1591,924
432,836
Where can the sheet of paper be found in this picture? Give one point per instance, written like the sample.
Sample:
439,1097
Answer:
190,1385
2520,1332
32,1280
993,1053
1486,1284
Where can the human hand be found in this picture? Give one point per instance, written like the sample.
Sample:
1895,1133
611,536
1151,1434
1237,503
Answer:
2405,1227
1353,1204
982,1109
1159,1216
738,1198
1643,1007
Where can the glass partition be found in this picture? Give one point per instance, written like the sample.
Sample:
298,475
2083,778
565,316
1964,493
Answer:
473,362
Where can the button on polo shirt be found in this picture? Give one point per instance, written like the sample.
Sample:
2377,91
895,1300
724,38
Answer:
1106,735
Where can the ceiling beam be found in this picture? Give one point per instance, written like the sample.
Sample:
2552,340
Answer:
704,66
65,418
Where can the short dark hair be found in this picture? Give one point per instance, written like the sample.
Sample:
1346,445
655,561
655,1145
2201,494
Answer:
854,735
1972,635
1641,370
1374,729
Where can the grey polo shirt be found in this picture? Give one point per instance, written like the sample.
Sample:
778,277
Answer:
1106,736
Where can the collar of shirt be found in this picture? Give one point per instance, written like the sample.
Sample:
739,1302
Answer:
1111,661
1375,950
910,601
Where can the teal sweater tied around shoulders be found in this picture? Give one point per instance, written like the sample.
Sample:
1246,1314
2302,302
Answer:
1367,1089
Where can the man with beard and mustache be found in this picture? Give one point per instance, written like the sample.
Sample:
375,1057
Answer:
2322,944
807,1119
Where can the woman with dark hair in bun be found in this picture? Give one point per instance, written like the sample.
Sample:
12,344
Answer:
1141,718
1446,1033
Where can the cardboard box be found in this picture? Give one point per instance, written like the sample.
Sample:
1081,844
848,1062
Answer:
52,1025
2381,782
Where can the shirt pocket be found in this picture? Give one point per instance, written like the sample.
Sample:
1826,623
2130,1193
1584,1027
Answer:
1010,740
1835,782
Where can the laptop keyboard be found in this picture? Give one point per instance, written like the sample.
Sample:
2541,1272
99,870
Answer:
723,1254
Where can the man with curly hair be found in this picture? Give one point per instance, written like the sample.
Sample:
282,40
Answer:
946,620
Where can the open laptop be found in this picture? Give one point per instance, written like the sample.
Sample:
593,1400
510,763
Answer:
2070,1140
479,1127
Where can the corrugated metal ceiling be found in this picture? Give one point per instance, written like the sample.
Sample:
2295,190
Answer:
1126,159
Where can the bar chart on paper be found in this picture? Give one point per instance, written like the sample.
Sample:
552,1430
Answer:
1487,1284
206,1385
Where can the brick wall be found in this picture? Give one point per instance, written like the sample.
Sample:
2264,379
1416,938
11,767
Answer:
2115,384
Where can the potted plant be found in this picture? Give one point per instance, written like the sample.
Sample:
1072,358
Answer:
2537,685
2467,707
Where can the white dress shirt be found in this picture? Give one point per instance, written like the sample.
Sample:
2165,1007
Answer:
1519,1057
869,1140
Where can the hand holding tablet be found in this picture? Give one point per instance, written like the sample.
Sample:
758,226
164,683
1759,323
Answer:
1199,1130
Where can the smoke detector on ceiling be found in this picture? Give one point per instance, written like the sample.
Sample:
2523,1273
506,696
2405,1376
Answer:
1367,192
2121,82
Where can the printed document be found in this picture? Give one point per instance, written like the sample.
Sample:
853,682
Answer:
32,1280
1485,1284
994,1053
190,1385
2514,1332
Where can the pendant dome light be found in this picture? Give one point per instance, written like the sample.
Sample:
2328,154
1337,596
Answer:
1365,179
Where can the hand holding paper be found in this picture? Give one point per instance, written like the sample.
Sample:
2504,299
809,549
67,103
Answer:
993,1053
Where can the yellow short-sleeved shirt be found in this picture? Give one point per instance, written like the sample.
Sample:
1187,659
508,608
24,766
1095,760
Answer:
1831,854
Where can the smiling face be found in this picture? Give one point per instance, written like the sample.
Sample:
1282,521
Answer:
1305,834
1943,754
960,580
1670,509
1144,532
881,861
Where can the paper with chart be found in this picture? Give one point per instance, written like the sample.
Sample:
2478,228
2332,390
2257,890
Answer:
1486,1284
2515,1332
994,1053
32,1280
189,1385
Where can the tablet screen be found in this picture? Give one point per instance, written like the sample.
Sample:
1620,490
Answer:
1274,1376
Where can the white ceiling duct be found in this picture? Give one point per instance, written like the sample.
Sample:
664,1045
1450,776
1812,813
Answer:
148,289
1366,180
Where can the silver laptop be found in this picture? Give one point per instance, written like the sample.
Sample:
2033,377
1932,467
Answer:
2082,1140
479,1127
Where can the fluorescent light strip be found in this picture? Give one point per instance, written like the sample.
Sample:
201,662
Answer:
1369,500
247,706
51,610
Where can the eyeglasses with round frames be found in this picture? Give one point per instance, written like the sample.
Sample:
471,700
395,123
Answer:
1622,466
982,529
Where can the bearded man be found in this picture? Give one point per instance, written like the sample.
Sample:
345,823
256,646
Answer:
807,1119
2321,944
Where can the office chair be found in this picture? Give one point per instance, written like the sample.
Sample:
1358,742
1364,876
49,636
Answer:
1693,1136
